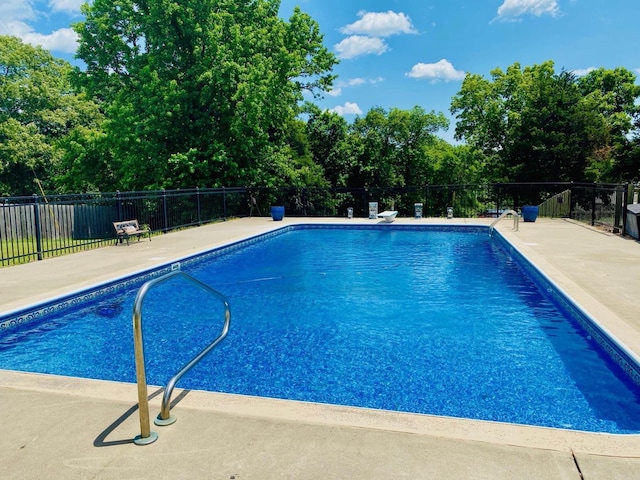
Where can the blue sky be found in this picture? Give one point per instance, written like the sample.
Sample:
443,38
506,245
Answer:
402,53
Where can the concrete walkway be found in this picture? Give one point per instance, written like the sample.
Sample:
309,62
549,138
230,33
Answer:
60,427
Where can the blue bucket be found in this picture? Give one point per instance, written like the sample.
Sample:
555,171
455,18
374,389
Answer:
529,213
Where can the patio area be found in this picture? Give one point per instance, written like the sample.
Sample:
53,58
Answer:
60,427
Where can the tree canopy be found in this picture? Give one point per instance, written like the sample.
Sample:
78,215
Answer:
536,124
212,93
38,110
198,92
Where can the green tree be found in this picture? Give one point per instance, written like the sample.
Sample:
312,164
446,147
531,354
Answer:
85,164
297,165
484,118
392,146
454,164
38,110
199,92
330,146
413,134
616,93
531,124
556,135
627,166
613,94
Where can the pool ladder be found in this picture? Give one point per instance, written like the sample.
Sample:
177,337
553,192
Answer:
516,219
164,418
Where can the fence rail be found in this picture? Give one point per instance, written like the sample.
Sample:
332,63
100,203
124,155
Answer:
37,227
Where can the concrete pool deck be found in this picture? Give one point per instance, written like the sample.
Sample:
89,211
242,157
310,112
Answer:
60,427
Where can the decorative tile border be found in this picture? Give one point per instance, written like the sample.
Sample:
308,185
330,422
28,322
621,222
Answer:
78,298
477,229
73,299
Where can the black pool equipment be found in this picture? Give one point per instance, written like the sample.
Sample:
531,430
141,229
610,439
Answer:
633,220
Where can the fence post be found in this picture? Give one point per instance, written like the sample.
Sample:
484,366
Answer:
593,206
304,201
625,200
365,197
119,205
617,221
164,210
36,219
571,199
249,200
425,211
224,203
198,206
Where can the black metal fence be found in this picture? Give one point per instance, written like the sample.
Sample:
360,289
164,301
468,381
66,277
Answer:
596,204
602,205
36,227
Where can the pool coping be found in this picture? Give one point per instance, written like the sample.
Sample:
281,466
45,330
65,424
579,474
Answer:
613,445
446,427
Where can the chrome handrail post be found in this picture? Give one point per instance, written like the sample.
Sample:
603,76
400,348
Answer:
146,435
504,214
164,417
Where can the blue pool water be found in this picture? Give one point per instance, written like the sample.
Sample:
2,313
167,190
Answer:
433,320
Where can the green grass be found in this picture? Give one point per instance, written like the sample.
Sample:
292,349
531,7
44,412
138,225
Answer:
25,249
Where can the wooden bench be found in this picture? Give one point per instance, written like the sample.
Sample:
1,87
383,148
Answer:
128,229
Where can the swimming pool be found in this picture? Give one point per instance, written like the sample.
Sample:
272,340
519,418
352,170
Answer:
428,320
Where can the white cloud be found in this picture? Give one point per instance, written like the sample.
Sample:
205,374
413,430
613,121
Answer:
366,35
363,81
62,40
357,45
352,82
71,6
19,15
442,70
513,9
379,24
347,109
14,11
581,72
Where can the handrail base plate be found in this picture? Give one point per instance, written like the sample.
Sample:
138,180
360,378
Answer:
140,440
163,422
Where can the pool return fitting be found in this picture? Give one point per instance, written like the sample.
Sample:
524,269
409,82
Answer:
164,418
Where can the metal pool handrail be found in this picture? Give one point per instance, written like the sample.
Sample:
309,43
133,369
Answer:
504,214
164,418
